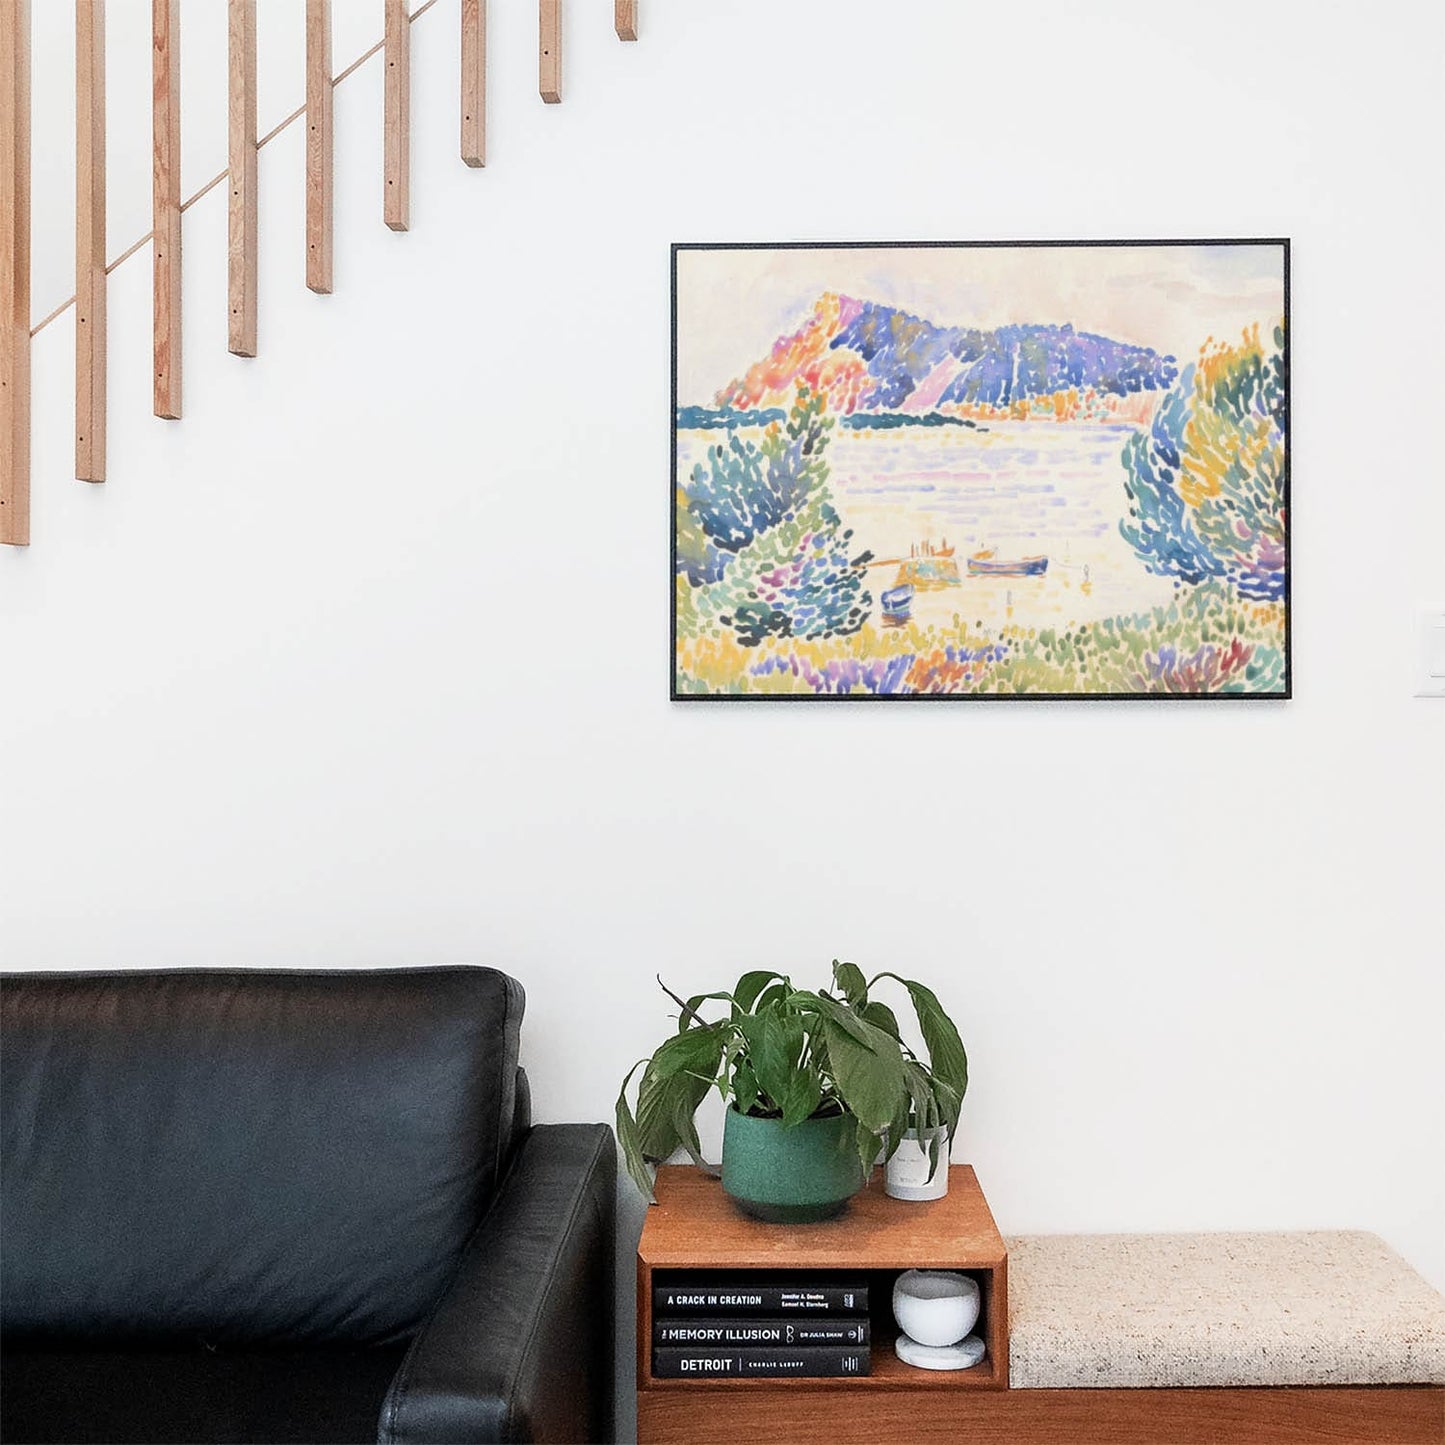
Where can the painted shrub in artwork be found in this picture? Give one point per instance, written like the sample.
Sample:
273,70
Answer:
980,471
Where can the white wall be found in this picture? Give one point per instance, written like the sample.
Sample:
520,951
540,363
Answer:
363,661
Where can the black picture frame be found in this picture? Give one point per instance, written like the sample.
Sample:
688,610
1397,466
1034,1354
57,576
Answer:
867,698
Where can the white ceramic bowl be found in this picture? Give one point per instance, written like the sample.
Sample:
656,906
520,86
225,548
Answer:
935,1306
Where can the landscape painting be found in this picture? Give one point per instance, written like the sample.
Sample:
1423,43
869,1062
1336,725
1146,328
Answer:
981,470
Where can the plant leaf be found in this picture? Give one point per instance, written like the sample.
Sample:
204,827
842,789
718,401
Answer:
841,1016
936,1108
848,978
745,1087
882,1017
686,1128
869,1075
678,1075
660,1104
922,1107
818,1056
867,1142
775,1047
656,1135
630,1139
774,993
946,1053
949,1104
897,1127
803,1095
688,1015
750,985
696,1051
690,1018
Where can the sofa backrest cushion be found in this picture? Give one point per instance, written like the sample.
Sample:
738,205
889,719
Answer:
246,1156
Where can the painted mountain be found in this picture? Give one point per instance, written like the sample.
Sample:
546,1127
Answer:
867,358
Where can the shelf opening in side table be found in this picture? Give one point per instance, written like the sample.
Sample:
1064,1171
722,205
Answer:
887,1370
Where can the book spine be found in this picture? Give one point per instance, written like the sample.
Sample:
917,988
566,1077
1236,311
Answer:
744,1299
804,1330
817,1361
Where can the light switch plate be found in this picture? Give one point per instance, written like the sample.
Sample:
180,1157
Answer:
1431,675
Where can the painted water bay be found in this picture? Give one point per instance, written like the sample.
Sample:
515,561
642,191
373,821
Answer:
1019,488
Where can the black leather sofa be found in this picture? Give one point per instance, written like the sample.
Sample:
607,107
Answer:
293,1206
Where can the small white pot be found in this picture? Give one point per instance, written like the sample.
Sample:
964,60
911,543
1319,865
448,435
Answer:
935,1306
906,1174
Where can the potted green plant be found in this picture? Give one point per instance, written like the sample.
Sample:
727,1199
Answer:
816,1083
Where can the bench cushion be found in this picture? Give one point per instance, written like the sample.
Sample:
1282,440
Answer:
1326,1308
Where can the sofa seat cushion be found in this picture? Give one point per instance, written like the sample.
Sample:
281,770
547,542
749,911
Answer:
77,1396
1320,1308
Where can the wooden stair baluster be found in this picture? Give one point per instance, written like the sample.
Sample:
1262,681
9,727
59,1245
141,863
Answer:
15,272
396,104
242,217
166,204
318,146
549,50
90,287
474,82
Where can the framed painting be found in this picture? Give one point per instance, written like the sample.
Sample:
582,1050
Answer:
980,470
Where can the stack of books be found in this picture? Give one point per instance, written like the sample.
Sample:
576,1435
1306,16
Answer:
759,1327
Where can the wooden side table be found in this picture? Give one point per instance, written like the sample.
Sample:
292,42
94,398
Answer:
695,1226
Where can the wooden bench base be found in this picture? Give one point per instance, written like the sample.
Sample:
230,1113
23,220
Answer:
837,1415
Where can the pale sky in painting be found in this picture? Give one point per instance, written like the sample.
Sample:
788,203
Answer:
732,305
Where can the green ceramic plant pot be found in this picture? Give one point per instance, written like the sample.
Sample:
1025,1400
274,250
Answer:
791,1176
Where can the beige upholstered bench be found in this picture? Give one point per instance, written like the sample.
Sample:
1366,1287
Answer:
1225,1337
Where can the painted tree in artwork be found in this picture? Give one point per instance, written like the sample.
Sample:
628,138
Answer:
1206,483
760,542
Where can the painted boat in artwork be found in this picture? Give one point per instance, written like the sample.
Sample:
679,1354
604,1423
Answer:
928,568
897,604
985,564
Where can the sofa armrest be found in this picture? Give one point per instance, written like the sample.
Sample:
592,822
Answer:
520,1346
